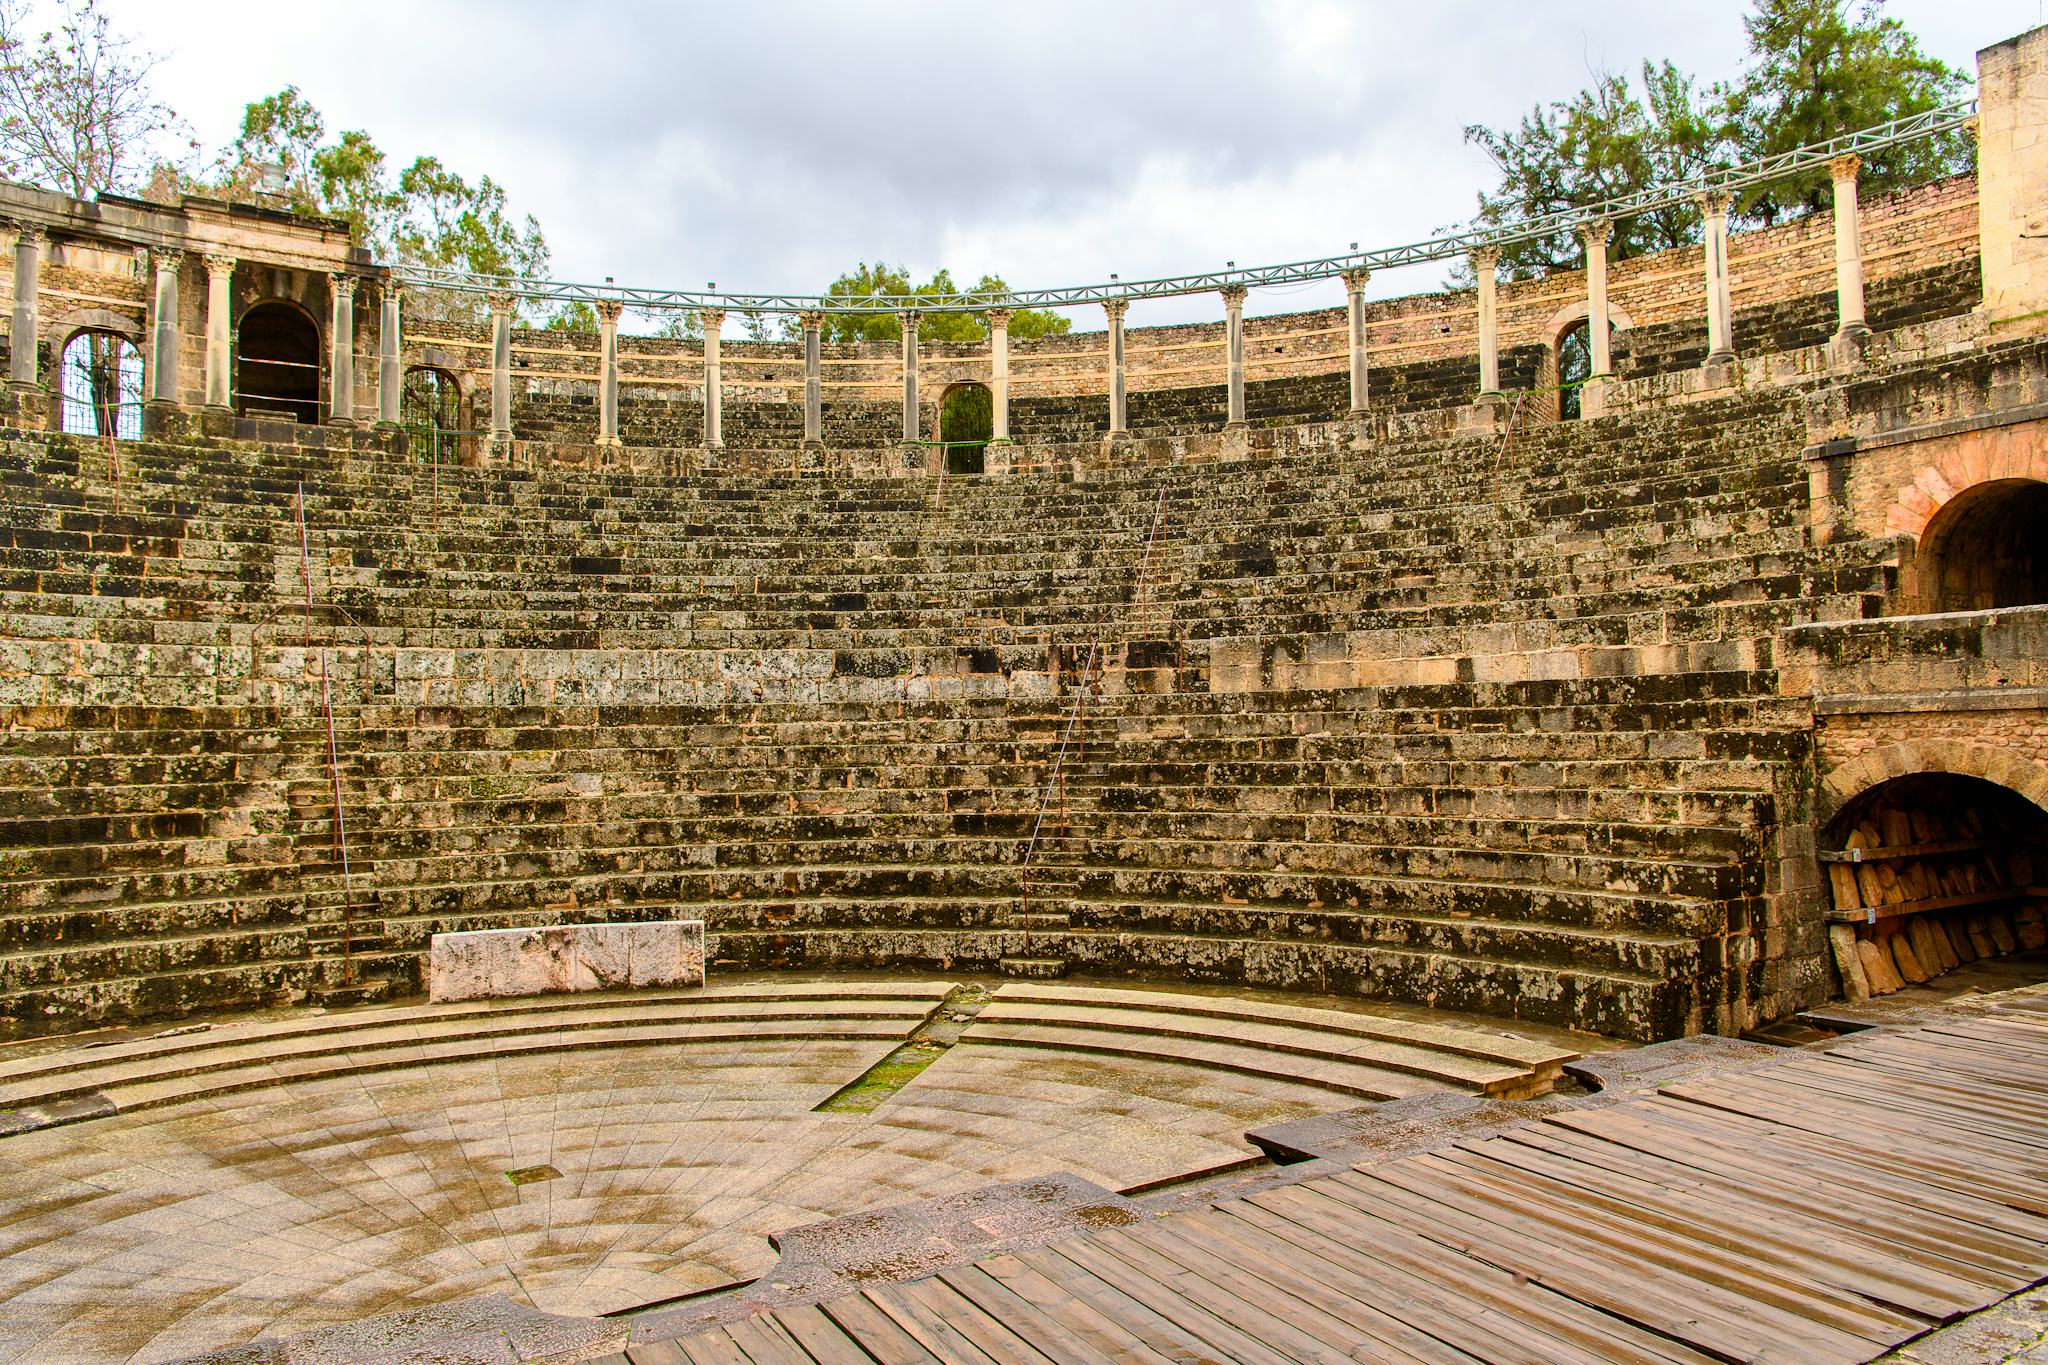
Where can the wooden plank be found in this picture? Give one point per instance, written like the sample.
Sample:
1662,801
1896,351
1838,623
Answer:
765,1343
823,1339
1700,1315
1857,1267
876,1331
1834,1169
1871,914
994,1337
1473,1332
1299,1329
1070,1329
1873,855
1806,1312
1718,1257
1797,1106
712,1348
1491,1299
1202,1242
1033,1274
1930,1168
1227,1332
933,1333
1960,1250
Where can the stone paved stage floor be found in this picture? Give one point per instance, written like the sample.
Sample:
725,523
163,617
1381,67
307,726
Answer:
226,1199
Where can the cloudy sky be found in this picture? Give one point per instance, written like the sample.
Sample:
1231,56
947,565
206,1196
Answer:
769,145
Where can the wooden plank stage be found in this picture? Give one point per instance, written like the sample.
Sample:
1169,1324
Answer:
1825,1207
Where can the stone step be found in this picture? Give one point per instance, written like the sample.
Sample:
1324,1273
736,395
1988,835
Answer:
1034,968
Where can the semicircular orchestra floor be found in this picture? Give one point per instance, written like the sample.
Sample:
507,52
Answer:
169,1191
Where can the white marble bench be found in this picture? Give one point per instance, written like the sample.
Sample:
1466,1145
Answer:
568,957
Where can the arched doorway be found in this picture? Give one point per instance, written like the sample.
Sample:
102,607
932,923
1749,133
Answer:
100,381
1987,547
430,411
277,363
1935,870
1574,368
967,415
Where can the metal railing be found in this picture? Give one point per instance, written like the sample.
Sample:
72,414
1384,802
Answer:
1452,246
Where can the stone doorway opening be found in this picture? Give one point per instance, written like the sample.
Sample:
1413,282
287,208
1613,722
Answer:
100,383
966,424
1987,547
430,411
1574,367
1932,872
277,363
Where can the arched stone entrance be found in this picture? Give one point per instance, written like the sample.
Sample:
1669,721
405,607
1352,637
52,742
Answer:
1928,871
966,415
277,362
1986,547
99,385
430,411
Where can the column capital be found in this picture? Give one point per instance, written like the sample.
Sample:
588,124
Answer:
393,291
1116,308
167,257
908,319
999,317
343,283
812,319
1845,167
1485,259
26,230
218,264
501,304
608,311
1355,278
1714,203
1595,231
1233,295
712,318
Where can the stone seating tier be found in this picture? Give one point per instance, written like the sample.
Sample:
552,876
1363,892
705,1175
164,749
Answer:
1449,722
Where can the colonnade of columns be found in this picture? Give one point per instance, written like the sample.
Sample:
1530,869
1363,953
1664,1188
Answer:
1713,206
31,247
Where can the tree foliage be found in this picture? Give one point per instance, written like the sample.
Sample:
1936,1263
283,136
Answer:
1815,69
1818,69
76,112
879,280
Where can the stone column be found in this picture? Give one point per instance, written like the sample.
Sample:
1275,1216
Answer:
909,320
220,271
714,434
1119,418
999,372
1486,260
1354,296
341,398
1848,252
1720,316
390,355
608,372
1233,343
163,348
814,404
501,369
1599,325
28,283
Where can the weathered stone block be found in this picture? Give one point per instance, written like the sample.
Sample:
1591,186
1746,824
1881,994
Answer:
489,963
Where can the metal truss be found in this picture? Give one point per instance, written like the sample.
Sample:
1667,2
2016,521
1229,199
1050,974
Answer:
1898,132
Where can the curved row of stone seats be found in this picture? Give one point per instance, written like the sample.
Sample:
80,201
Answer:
1369,1055
43,1088
812,816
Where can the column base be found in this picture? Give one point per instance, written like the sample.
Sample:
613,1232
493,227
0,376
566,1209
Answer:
608,442
345,423
1233,428
814,445
22,388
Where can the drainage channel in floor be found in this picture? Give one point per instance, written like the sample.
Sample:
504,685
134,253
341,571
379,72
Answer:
926,1045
